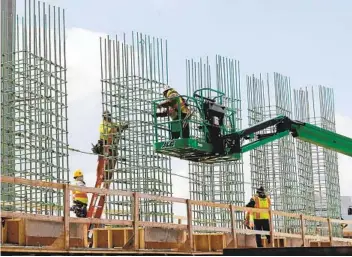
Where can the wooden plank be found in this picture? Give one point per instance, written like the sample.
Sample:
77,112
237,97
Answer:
189,224
233,227
101,191
101,221
210,204
303,230
163,198
8,214
212,229
23,181
286,214
135,220
330,232
66,217
163,225
271,224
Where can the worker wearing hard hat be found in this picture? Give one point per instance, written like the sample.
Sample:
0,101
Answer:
262,219
174,103
109,137
80,199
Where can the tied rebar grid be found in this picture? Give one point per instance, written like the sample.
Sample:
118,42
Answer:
220,183
133,75
35,104
273,165
326,185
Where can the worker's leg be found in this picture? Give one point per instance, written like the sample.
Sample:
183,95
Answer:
175,135
266,227
258,226
185,131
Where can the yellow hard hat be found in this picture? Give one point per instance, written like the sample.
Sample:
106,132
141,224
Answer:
77,173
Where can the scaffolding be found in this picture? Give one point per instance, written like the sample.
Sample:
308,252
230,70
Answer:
273,165
34,108
132,76
323,178
220,183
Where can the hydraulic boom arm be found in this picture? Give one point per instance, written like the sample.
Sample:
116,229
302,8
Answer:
283,127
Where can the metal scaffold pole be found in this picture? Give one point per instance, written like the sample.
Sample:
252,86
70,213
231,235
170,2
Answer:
34,120
132,76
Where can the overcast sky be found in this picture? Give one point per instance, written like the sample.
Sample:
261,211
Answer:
310,41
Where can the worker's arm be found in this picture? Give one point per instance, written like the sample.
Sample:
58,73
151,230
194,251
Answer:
161,114
164,104
168,102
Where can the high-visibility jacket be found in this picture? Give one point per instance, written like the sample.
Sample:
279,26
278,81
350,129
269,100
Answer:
249,220
107,130
176,102
262,203
77,195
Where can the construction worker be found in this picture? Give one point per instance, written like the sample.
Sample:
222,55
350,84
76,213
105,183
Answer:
80,199
108,140
261,220
173,103
249,220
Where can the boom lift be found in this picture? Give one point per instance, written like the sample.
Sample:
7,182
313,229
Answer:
214,138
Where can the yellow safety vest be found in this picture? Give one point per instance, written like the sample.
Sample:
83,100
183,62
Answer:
262,203
79,196
106,129
176,103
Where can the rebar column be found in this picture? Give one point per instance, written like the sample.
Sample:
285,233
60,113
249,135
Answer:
324,161
221,183
132,76
36,81
274,165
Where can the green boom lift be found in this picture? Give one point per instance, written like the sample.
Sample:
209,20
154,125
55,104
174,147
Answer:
214,138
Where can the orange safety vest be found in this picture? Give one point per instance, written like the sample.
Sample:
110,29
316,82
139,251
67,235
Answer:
176,103
262,203
78,196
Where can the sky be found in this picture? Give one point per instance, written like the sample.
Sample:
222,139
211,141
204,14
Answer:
306,40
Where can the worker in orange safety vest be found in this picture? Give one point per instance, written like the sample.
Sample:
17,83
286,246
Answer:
80,199
261,219
174,103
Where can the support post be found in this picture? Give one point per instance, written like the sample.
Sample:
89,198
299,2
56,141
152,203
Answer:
189,223
136,221
67,216
303,230
233,231
271,225
330,231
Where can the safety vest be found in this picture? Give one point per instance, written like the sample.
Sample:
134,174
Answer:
176,103
79,196
262,203
249,219
106,129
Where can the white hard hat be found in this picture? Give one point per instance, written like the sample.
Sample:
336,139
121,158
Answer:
166,88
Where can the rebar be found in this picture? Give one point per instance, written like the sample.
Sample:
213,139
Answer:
323,178
273,165
132,76
221,183
34,107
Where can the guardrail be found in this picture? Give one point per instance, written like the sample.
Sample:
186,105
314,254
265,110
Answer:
136,223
